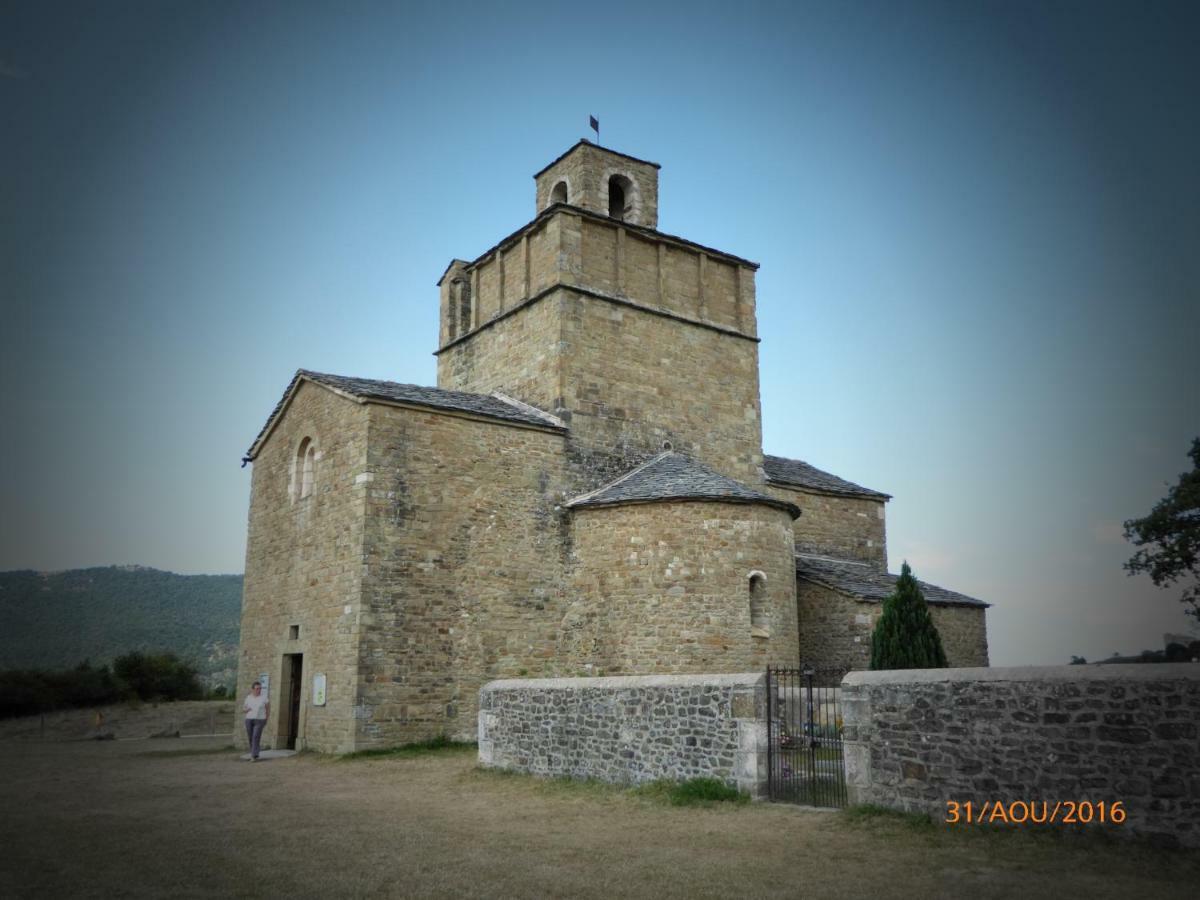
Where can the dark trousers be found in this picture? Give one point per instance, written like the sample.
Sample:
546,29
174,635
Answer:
254,728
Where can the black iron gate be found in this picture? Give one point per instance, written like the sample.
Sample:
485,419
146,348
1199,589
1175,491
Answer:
805,759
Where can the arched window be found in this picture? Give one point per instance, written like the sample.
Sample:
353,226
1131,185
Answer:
304,472
619,189
559,194
758,602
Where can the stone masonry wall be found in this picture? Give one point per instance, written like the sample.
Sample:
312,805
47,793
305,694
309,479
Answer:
627,381
462,564
520,356
964,633
629,730
303,562
656,345
917,739
586,169
665,587
841,527
633,380
518,268
835,630
602,255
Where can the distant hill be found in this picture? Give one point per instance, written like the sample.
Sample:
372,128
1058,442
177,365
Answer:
59,619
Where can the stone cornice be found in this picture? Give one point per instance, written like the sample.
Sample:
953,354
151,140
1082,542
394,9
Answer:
651,233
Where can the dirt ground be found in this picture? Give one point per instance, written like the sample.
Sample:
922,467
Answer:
187,818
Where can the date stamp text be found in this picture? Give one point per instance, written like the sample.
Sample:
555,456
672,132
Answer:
1034,812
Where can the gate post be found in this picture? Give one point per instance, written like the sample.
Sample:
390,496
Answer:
770,742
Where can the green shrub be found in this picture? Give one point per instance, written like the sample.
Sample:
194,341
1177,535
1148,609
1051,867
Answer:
158,676
27,692
905,636
692,792
869,812
133,677
24,693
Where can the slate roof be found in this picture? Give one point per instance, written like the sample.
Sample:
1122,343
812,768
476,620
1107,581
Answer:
673,476
581,142
495,406
863,580
781,470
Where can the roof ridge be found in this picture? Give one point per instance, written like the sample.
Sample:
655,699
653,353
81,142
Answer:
811,477
616,481
834,559
407,384
872,584
528,408
487,407
676,476
596,146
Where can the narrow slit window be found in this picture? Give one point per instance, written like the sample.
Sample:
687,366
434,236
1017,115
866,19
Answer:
758,603
463,287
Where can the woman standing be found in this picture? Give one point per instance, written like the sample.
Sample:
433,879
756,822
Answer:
256,707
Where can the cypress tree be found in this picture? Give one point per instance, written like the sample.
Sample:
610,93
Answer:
905,636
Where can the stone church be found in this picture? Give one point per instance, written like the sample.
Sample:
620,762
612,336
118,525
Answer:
584,493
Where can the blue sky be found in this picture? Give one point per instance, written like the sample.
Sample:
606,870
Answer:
978,228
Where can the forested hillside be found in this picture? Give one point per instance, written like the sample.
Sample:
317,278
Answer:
58,619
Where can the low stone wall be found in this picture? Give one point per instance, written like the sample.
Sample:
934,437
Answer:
919,738
629,729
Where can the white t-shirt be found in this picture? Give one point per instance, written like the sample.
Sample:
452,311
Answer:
256,706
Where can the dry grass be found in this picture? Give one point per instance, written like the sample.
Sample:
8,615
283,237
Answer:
105,819
440,744
125,721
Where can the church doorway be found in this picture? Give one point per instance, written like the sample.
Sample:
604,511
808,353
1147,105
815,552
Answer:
289,698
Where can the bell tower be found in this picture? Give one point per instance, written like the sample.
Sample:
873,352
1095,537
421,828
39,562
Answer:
602,181
639,340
